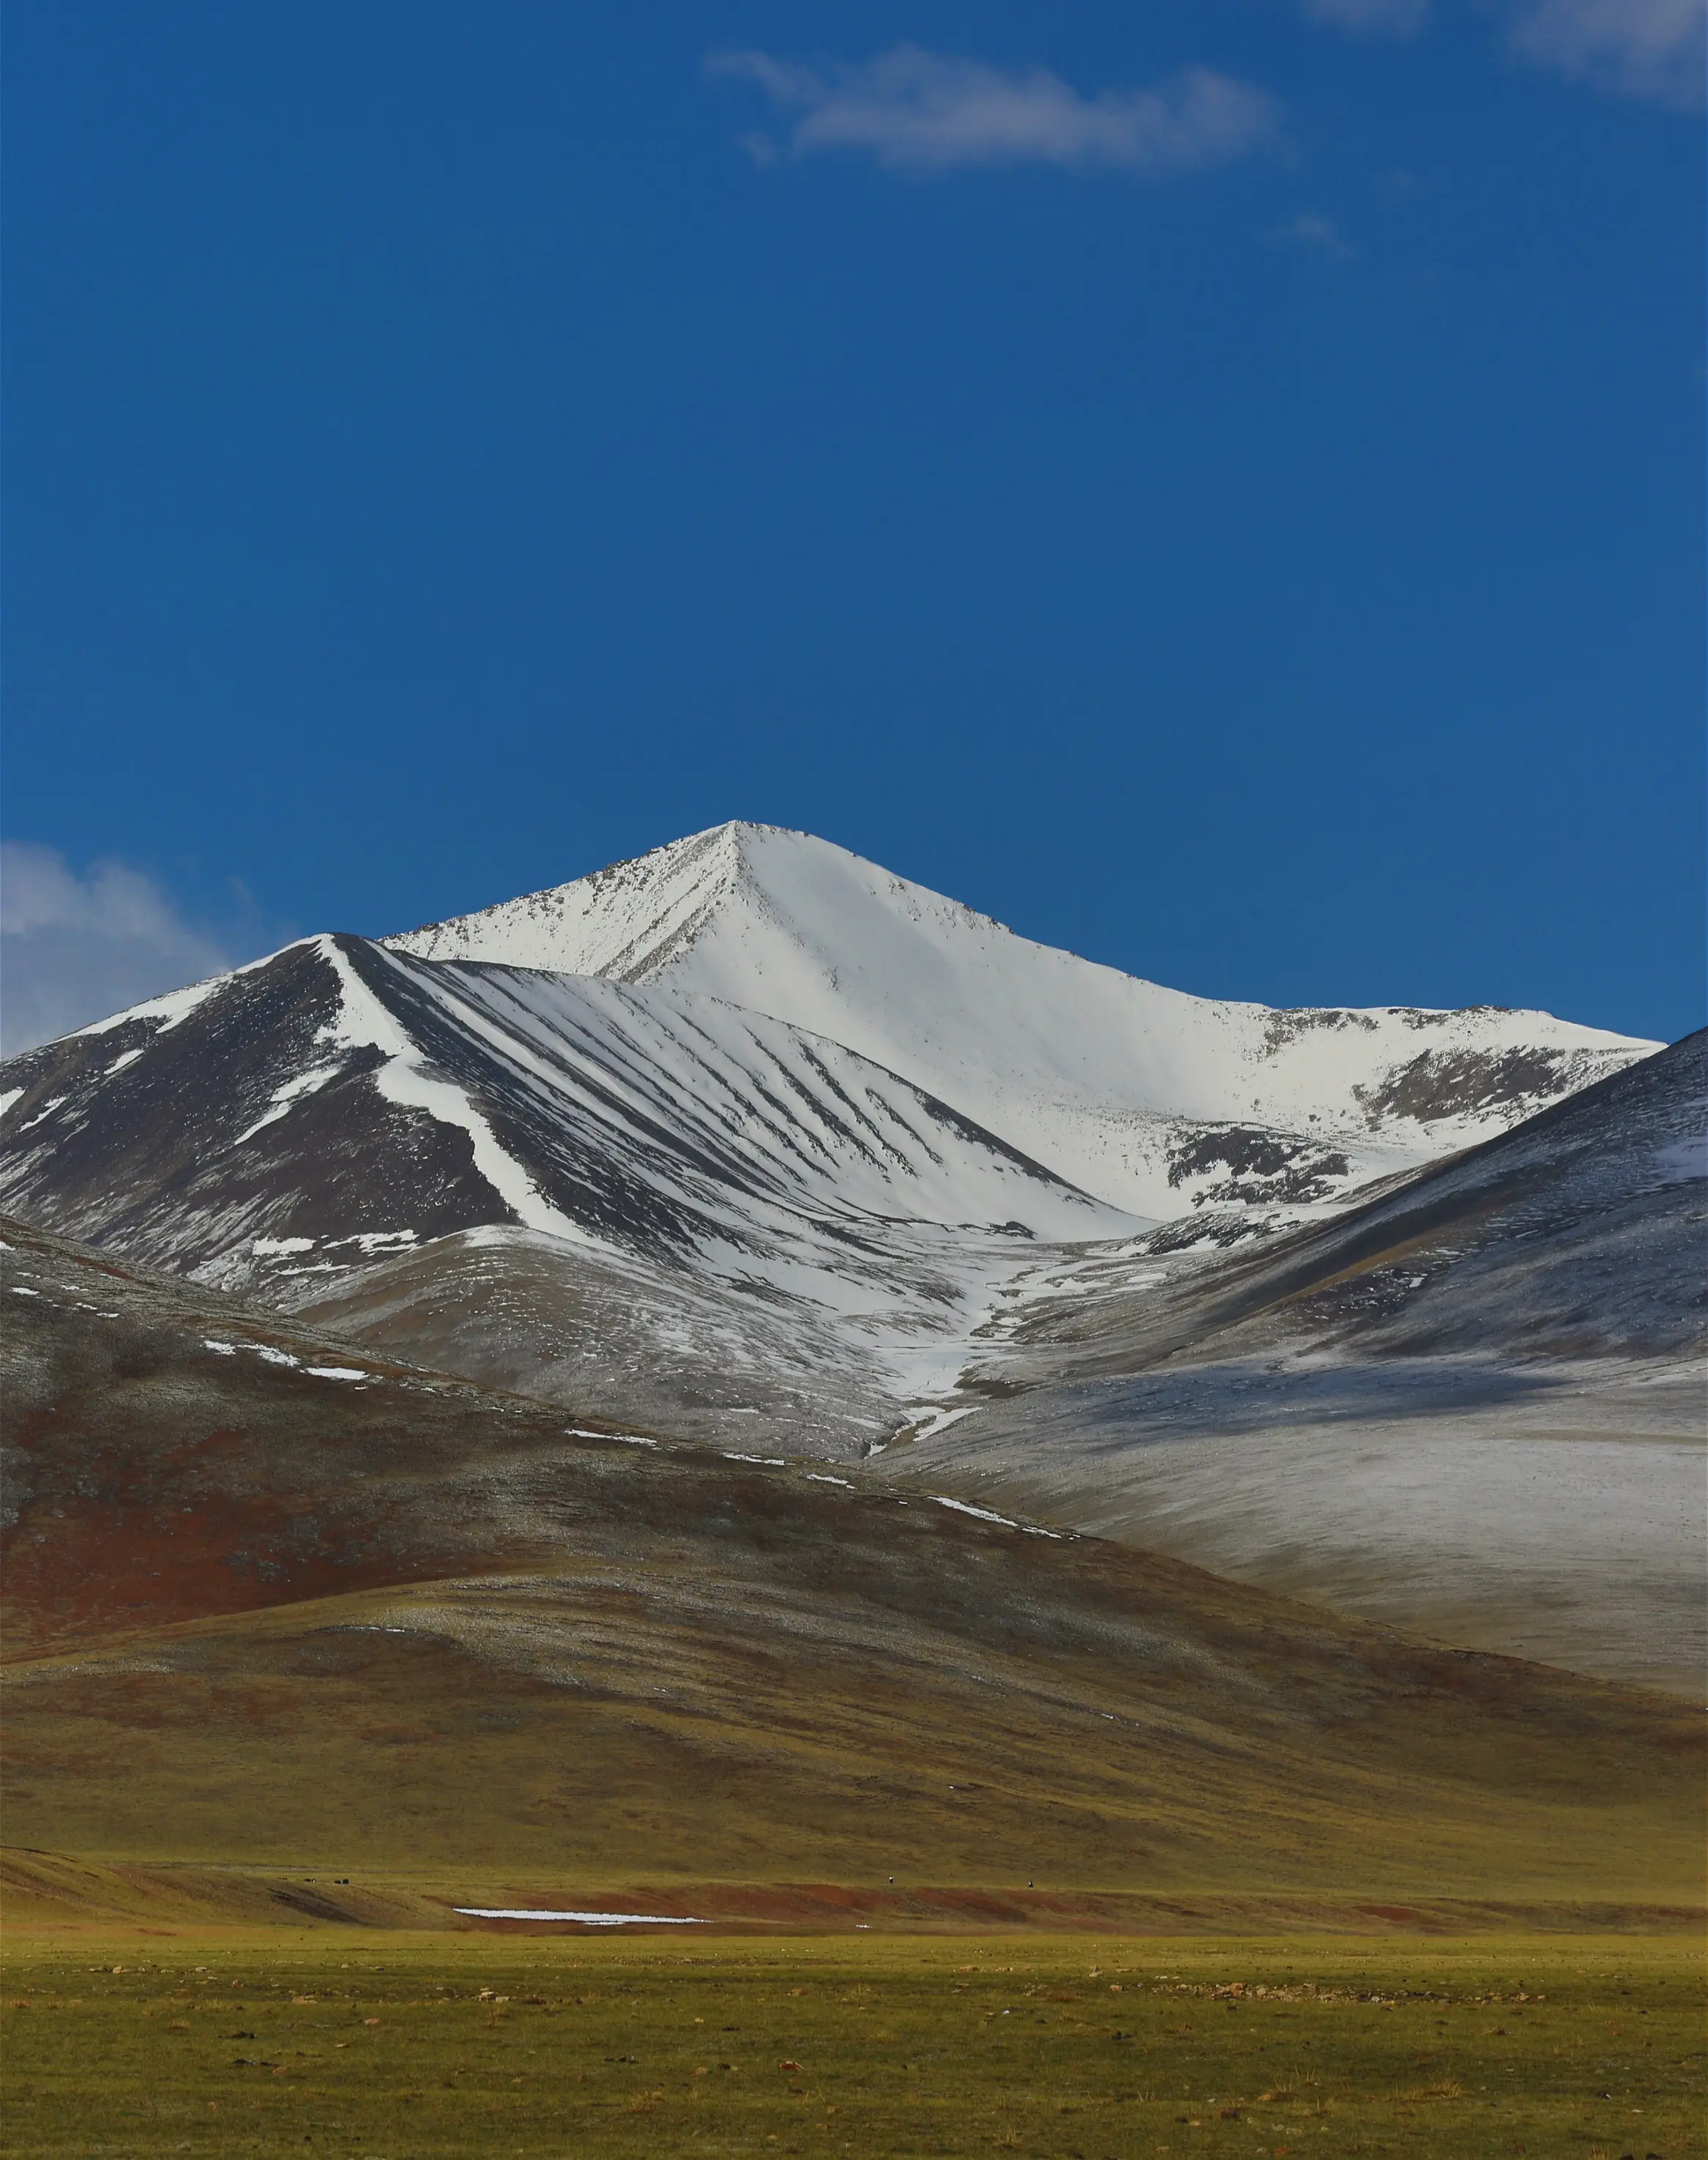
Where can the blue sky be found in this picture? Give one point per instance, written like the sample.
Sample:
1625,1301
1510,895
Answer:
1218,486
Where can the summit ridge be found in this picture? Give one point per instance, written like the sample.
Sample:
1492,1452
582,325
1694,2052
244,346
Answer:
1107,1078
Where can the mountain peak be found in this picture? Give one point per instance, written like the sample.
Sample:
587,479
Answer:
1092,1072
624,922
634,919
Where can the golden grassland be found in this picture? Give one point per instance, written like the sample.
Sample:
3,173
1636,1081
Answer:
382,2046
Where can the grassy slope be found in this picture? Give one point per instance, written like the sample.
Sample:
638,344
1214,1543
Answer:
694,1743
565,1662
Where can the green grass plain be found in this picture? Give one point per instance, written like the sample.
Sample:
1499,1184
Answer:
387,2047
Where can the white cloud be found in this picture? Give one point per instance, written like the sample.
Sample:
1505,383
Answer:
73,950
1396,18
1650,49
928,112
1640,49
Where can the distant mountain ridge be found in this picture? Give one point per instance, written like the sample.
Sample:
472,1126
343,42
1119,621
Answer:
1155,1101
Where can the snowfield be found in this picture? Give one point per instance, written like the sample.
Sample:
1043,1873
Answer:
1101,1076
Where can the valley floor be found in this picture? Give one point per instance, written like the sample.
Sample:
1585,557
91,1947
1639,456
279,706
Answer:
368,2042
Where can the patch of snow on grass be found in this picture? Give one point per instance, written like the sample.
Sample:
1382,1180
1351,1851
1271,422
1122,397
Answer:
338,1373
988,1515
586,1919
937,1421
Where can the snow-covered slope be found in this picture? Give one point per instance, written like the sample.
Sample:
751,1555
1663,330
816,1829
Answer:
587,1184
1156,1101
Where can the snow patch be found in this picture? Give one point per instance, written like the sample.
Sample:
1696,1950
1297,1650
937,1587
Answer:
282,1098
586,1919
338,1373
988,1515
937,1421
171,1010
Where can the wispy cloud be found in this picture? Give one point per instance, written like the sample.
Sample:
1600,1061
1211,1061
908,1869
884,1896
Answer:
1320,234
73,950
1391,17
1649,48
930,111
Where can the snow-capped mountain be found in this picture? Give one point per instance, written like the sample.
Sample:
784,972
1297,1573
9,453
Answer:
1155,1101
745,1129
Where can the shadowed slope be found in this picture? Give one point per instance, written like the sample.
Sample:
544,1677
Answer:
1582,1231
1474,1404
